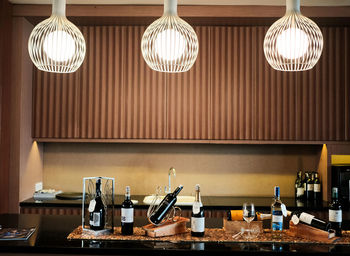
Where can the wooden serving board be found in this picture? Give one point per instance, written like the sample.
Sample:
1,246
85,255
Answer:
310,233
169,228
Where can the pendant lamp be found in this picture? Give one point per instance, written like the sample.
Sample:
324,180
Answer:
55,44
170,44
294,42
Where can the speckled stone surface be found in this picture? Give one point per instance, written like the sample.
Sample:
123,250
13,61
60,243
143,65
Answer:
211,235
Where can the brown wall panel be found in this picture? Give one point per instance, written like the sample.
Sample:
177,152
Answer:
321,92
275,108
231,92
101,94
54,106
347,82
232,97
188,95
145,91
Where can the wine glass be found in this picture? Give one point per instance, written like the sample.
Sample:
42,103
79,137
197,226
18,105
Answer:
248,214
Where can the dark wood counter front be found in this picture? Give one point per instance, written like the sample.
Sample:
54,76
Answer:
52,231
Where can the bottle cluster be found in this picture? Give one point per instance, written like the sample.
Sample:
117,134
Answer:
308,186
97,211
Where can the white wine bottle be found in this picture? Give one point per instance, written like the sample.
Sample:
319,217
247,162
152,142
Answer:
197,217
277,215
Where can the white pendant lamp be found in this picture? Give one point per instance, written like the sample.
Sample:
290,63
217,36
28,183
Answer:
294,42
55,44
170,44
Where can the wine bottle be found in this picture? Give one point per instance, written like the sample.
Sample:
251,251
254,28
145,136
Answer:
306,177
277,216
197,217
165,205
335,212
317,188
127,213
299,187
310,187
310,220
97,209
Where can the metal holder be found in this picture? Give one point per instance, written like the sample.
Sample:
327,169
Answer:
107,194
170,216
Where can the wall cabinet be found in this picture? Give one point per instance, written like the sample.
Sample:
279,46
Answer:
231,94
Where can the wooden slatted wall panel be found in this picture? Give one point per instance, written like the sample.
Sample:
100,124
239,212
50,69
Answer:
55,106
231,93
101,94
232,87
188,95
347,82
145,91
321,92
275,95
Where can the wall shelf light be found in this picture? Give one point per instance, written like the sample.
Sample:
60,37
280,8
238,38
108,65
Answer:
294,42
55,44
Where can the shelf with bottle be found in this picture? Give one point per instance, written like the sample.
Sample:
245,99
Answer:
308,189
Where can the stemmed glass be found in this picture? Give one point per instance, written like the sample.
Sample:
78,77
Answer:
248,215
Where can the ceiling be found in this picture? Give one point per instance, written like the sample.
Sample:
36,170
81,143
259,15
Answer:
193,2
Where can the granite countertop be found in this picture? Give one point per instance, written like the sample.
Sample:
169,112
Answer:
52,231
209,202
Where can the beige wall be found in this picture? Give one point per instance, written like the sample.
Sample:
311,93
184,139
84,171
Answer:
238,170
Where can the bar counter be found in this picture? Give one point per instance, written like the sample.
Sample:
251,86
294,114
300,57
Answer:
52,231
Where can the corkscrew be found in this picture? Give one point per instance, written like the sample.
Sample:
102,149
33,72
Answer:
171,215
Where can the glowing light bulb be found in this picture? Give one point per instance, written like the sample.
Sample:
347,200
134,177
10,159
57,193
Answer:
292,43
170,45
59,46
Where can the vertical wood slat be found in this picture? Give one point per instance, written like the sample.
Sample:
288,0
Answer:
54,104
347,83
101,96
231,83
188,95
145,91
275,108
322,89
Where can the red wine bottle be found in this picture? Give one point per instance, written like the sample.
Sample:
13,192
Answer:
127,213
165,205
335,212
97,210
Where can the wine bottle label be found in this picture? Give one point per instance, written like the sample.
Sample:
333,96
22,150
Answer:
310,187
197,224
295,220
284,210
128,215
335,215
95,221
317,187
277,220
196,207
300,192
306,218
92,205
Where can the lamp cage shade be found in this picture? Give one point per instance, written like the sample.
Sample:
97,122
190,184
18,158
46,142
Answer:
57,45
170,44
293,43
